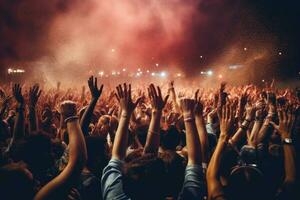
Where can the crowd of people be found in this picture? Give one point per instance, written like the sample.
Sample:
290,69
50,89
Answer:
149,143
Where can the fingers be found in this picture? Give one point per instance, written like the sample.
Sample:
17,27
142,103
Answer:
274,125
166,99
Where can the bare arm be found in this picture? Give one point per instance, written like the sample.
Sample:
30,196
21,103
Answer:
34,94
200,125
286,122
61,185
158,103
192,138
19,126
214,185
87,116
127,106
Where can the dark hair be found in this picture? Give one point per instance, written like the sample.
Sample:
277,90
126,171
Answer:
170,138
144,178
98,154
141,133
35,151
15,183
246,182
175,168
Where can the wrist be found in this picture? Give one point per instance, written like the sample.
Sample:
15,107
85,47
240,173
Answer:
156,112
71,119
285,135
224,137
125,114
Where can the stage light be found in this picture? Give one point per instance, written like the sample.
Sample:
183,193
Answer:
163,74
124,70
113,73
280,53
209,73
118,73
113,50
148,71
15,71
202,72
139,69
101,73
178,75
201,56
245,49
157,64
220,76
152,74
263,80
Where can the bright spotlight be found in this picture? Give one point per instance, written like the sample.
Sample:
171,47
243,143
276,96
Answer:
152,74
163,74
209,73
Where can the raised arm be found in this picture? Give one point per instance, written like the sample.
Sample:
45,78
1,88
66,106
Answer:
87,116
60,186
34,94
285,127
123,96
200,124
242,130
192,138
172,93
214,186
19,126
157,105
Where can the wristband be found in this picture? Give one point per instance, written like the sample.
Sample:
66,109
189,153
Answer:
243,127
188,119
70,119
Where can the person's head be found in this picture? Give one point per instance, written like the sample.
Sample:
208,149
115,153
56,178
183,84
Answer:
97,151
175,167
16,182
141,133
145,178
35,151
170,138
246,182
102,127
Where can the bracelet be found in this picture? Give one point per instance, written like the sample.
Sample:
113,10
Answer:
124,115
188,119
243,127
70,119
189,115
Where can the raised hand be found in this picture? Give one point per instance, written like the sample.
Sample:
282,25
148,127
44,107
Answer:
93,85
198,105
68,109
222,95
17,93
226,118
286,121
34,94
250,112
156,99
124,98
187,106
